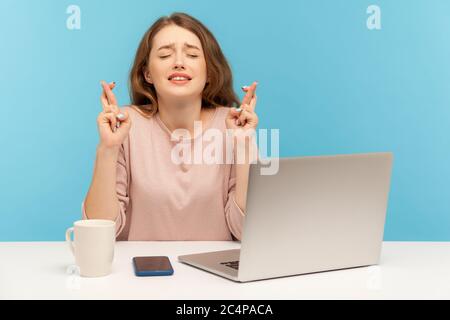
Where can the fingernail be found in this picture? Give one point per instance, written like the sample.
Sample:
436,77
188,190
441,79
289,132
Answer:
239,109
244,87
120,116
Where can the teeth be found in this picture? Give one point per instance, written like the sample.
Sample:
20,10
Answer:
179,78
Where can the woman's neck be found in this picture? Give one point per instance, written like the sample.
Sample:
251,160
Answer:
181,114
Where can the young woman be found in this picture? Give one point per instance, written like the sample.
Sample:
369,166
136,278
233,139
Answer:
180,76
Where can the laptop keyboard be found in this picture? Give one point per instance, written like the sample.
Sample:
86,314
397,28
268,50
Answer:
231,264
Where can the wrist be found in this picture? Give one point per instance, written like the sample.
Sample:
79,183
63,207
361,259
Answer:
107,150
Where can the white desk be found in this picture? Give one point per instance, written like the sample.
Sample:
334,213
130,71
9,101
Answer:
38,270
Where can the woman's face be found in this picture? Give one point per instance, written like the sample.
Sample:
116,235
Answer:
177,50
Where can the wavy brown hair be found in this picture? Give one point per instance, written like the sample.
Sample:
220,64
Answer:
219,89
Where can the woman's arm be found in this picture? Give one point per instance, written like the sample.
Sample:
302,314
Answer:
237,188
242,170
101,201
243,122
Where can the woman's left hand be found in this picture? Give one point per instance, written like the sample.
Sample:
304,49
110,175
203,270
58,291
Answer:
244,117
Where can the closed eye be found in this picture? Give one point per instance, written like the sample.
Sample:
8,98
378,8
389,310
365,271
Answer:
190,55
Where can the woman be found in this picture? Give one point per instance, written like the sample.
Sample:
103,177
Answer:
179,77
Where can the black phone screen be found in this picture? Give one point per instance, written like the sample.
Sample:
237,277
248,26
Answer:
152,263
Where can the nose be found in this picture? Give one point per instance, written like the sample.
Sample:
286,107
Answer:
179,64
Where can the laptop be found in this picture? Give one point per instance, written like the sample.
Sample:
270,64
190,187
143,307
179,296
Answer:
316,214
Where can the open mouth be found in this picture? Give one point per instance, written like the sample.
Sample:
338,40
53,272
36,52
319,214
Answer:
179,80
180,76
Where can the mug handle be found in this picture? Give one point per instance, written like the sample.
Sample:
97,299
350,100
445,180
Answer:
69,240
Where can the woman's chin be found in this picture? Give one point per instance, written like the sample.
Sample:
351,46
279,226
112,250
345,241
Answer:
183,92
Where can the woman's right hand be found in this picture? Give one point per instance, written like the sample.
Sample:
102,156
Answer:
113,124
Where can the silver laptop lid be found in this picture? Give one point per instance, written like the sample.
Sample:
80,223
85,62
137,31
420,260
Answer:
315,214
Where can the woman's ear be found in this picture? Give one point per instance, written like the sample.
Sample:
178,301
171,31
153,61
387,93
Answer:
148,77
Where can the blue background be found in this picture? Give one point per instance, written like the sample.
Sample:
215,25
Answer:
327,82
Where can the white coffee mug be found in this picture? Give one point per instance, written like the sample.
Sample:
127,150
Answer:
93,246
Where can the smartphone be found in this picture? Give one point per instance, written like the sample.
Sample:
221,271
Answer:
152,266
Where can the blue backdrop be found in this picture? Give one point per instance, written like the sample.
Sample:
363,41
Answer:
327,82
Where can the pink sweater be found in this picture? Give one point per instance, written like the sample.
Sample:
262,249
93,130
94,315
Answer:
161,200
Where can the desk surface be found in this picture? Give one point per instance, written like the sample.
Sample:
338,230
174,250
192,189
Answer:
41,270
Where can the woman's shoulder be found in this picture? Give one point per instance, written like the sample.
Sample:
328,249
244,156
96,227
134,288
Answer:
220,117
223,111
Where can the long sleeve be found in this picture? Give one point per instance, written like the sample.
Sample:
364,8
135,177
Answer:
122,190
161,200
234,215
